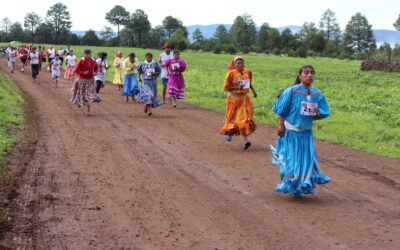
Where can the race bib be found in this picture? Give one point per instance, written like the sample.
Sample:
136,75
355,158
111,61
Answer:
176,65
149,71
307,108
245,83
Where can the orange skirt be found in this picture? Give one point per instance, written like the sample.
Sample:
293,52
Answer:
239,118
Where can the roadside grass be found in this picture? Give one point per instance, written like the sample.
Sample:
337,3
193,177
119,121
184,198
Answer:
11,120
365,105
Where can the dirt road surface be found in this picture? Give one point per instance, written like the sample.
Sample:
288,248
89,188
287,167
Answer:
122,180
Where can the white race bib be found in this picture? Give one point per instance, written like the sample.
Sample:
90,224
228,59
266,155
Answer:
176,65
245,83
307,108
149,72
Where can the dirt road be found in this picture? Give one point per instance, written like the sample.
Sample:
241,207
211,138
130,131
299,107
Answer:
122,180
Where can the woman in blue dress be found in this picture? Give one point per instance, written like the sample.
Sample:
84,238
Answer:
150,70
296,108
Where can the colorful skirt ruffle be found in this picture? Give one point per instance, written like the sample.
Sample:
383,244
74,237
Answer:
176,86
131,86
148,94
84,92
295,155
239,116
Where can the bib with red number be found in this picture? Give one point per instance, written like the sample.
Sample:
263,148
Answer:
307,108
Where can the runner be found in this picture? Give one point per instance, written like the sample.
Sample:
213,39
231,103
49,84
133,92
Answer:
83,90
61,53
239,119
148,93
12,58
164,73
70,61
35,59
44,55
23,56
119,73
100,78
176,83
55,65
51,52
296,109
131,87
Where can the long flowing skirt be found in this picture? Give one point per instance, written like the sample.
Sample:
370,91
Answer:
69,70
176,86
118,77
148,94
84,92
131,86
239,117
295,155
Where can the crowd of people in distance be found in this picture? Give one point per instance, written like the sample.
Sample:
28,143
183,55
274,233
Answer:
296,108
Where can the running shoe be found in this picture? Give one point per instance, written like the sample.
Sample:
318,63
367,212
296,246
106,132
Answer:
247,145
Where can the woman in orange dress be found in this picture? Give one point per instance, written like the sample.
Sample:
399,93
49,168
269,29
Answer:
239,118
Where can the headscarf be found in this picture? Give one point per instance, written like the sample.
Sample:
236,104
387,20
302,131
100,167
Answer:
232,65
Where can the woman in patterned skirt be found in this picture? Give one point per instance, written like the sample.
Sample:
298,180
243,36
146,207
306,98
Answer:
84,88
239,120
150,70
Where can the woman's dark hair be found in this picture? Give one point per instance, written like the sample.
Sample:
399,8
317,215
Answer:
298,80
132,54
149,54
87,51
176,52
103,55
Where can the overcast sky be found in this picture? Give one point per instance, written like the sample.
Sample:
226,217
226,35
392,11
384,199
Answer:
89,14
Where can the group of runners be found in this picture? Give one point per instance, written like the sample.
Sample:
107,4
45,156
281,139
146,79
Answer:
296,108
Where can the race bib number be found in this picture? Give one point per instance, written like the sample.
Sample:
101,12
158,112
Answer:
149,71
307,108
176,65
245,83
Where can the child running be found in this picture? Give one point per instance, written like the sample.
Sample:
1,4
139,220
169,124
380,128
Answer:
150,70
23,57
176,84
296,109
239,118
55,66
100,77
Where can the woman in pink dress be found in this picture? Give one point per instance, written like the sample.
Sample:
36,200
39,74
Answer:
176,84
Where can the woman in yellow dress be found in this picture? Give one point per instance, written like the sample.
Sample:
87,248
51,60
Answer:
239,118
119,73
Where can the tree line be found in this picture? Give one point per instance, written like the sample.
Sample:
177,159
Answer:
135,30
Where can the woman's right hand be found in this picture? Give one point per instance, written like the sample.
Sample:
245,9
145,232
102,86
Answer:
281,131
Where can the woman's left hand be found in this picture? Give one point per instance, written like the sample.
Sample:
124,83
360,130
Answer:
255,94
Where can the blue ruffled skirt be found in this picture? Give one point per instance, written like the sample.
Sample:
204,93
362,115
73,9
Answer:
295,155
148,94
131,86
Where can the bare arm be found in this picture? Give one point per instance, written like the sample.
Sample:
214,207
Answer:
281,129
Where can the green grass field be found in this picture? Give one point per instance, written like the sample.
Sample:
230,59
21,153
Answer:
11,119
364,105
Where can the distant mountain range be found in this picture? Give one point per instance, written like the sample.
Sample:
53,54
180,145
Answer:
382,36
